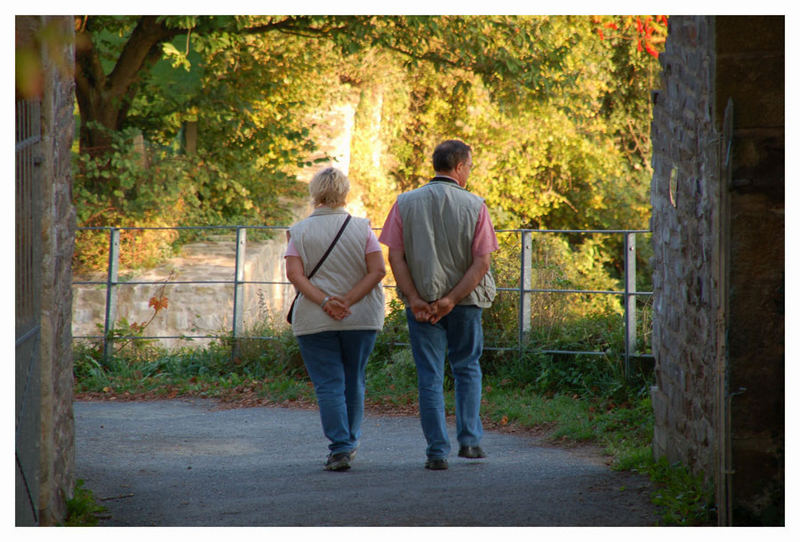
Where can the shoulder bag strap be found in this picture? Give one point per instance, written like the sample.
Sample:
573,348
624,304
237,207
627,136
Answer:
339,234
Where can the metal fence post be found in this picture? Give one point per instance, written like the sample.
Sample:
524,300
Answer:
630,300
238,289
111,294
525,272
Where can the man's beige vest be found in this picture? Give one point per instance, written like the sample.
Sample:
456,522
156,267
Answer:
439,222
337,275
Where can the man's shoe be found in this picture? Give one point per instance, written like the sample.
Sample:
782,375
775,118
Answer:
471,452
340,461
436,464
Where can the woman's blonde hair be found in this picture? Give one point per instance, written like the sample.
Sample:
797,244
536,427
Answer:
329,187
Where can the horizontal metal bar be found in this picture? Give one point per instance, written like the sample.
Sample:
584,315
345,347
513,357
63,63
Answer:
32,332
123,282
21,145
137,282
100,228
149,337
575,231
515,349
125,337
284,283
233,227
569,352
554,291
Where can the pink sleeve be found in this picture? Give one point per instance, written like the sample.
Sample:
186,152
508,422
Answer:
392,232
372,243
290,250
485,240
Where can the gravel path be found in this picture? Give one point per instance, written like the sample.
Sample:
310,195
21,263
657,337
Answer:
190,463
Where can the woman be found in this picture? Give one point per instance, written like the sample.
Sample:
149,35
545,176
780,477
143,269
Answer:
339,310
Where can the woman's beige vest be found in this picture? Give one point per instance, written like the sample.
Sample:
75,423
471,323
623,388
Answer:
439,222
340,271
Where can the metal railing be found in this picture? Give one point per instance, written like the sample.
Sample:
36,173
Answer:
524,289
28,332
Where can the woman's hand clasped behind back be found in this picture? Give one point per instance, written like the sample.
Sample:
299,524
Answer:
336,308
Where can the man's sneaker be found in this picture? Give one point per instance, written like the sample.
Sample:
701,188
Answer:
340,461
436,464
471,452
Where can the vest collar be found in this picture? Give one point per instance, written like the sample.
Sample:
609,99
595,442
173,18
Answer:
448,180
324,211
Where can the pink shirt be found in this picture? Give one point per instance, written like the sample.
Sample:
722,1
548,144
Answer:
484,241
372,246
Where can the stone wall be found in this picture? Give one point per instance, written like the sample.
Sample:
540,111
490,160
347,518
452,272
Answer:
195,309
718,237
56,477
684,194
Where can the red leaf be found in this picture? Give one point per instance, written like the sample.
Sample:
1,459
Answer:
158,303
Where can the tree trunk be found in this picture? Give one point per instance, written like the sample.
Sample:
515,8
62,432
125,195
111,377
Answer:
104,100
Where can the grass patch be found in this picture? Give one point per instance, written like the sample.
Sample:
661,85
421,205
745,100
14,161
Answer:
82,509
205,372
683,497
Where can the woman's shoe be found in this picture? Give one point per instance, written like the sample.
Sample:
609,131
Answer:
340,461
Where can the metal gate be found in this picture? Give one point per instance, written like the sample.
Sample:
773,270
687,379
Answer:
28,287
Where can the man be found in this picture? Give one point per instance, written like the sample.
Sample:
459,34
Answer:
440,240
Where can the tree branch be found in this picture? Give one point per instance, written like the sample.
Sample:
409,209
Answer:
290,24
148,34
89,74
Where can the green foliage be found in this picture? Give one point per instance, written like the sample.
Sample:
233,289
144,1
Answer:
393,380
395,329
560,144
200,371
556,108
684,498
259,358
124,189
82,508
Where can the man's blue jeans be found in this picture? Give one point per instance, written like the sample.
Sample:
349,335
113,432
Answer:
460,336
336,362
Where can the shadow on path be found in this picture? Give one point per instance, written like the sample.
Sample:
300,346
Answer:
187,463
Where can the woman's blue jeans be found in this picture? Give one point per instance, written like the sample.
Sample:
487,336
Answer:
336,362
460,336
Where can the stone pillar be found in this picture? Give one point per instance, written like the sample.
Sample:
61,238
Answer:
58,232
685,210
